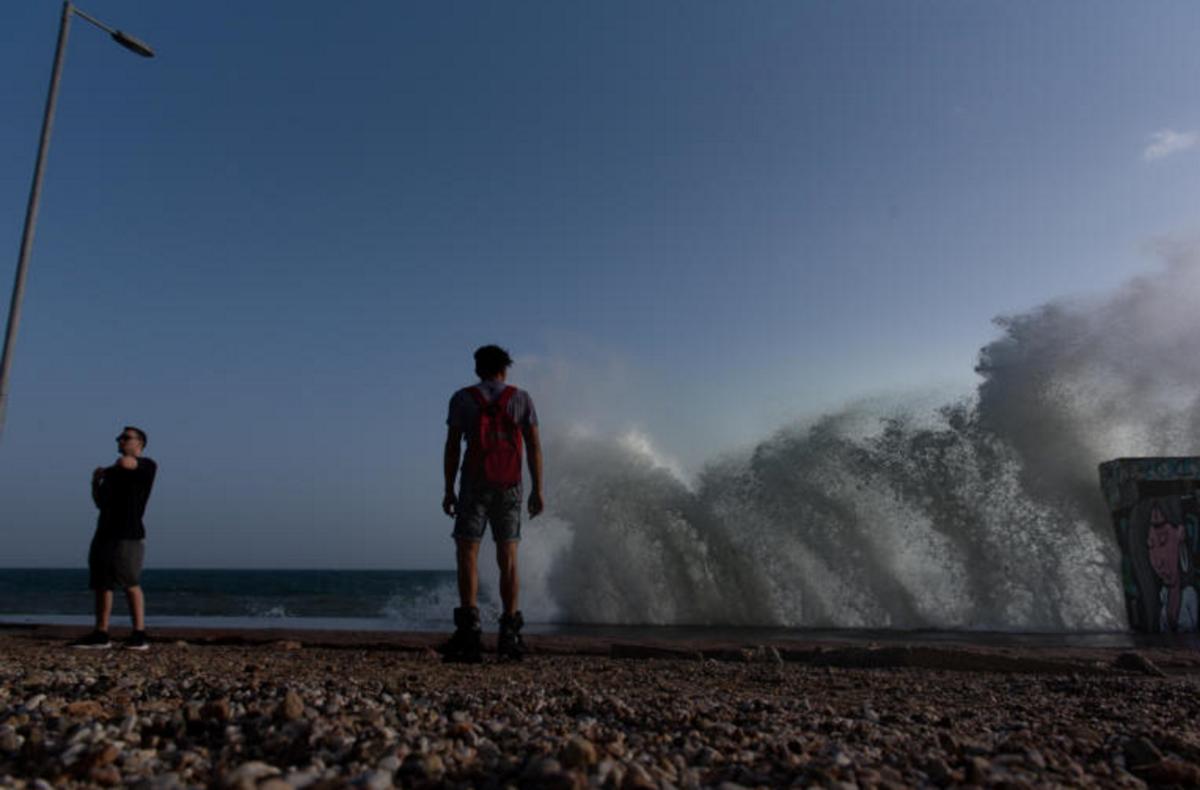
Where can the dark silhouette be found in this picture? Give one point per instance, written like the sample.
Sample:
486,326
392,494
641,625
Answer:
493,417
121,492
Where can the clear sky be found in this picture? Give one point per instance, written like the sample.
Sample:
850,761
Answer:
276,245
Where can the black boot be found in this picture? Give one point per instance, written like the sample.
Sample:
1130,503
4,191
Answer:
511,646
466,644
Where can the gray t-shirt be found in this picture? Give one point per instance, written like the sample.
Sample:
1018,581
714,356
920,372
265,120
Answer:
464,411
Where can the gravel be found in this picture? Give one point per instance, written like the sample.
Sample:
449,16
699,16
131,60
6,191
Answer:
295,716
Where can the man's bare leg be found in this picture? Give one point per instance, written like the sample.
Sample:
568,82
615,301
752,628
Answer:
468,571
137,607
104,601
506,558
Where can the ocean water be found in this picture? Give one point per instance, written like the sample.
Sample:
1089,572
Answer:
399,600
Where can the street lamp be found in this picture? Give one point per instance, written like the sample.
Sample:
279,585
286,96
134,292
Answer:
14,310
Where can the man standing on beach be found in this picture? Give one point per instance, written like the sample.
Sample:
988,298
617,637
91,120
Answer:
115,559
493,417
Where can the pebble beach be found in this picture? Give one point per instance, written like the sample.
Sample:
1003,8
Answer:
268,712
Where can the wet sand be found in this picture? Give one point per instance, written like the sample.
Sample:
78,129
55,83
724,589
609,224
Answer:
282,709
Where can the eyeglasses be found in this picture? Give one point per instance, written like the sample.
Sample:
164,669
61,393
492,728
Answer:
126,437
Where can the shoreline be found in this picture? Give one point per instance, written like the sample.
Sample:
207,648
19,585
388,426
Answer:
328,710
966,653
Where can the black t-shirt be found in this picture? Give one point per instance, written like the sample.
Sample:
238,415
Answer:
122,498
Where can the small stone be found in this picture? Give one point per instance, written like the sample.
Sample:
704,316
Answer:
168,781
275,783
35,744
10,741
250,773
217,709
937,770
72,754
301,778
287,644
1136,662
292,707
106,775
544,766
85,708
636,778
606,768
563,780
425,766
977,770
378,780
1140,751
106,755
578,753
1171,772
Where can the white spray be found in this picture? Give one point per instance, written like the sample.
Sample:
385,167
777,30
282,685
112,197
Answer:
984,515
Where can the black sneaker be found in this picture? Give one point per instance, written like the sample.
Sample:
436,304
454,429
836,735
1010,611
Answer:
137,641
466,644
510,645
96,640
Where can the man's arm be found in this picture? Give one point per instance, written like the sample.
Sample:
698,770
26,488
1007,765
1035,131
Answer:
534,443
97,481
450,458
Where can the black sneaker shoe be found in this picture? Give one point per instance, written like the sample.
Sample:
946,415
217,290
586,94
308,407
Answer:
137,641
510,645
466,644
96,640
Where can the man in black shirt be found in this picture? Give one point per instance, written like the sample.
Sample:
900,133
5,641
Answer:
115,558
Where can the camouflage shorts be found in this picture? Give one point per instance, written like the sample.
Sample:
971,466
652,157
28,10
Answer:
500,507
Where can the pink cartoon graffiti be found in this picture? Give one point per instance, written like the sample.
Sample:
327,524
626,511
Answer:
1171,560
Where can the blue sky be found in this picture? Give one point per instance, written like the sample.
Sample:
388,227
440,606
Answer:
276,245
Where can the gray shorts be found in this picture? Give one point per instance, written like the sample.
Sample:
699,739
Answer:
500,507
115,564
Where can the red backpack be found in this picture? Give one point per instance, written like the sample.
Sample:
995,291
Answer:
494,457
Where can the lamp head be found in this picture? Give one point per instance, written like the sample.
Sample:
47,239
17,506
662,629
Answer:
132,44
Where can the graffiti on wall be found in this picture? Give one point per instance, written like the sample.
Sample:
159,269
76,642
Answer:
1155,505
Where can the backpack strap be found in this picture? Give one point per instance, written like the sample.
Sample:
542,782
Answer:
501,403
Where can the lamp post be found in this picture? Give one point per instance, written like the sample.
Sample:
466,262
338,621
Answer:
31,211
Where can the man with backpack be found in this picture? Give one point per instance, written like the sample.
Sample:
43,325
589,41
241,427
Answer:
493,417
